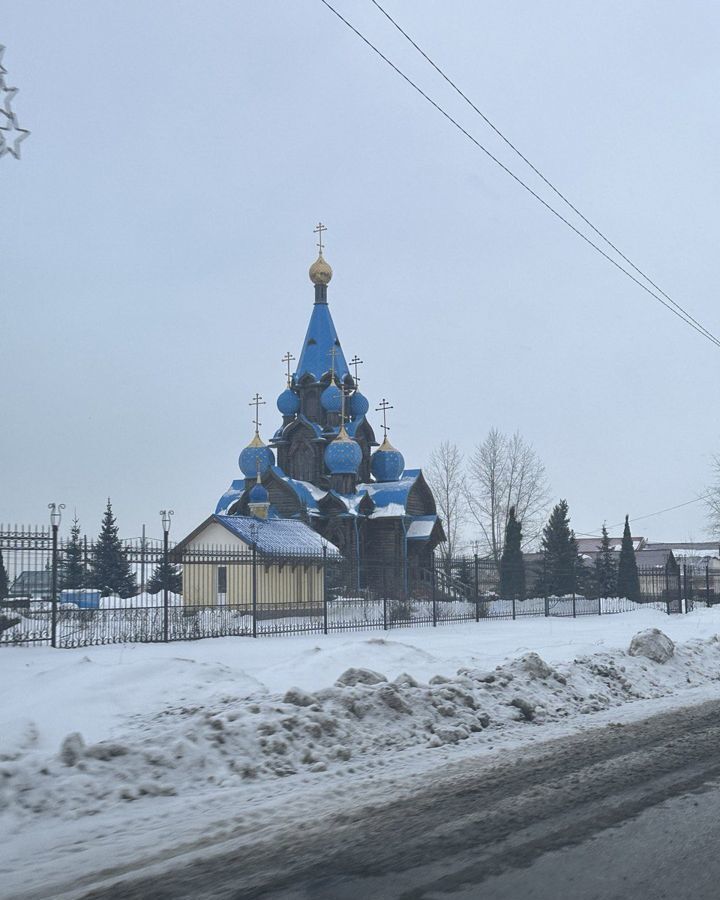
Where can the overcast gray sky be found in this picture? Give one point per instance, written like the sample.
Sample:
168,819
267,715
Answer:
158,230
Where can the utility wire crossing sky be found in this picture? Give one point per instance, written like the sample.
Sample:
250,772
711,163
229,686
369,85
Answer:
671,304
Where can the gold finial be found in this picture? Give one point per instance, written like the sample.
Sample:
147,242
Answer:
320,272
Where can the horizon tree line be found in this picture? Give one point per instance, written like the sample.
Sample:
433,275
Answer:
502,489
563,568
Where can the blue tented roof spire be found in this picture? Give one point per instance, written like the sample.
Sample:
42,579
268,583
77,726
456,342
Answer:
316,358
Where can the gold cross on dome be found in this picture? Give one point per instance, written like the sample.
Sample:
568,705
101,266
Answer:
355,362
332,353
318,230
384,407
257,401
288,358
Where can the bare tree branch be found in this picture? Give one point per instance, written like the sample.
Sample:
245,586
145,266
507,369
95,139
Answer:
712,500
446,477
503,472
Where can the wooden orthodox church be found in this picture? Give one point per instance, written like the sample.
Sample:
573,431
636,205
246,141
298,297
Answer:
380,515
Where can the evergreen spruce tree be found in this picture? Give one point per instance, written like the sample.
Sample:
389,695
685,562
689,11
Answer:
561,563
512,566
605,569
4,580
73,571
110,571
165,574
628,581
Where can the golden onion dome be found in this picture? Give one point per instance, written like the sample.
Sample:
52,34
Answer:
320,271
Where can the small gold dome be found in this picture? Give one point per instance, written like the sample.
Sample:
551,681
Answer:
320,272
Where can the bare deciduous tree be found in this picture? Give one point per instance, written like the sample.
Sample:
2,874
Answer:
446,477
505,471
712,499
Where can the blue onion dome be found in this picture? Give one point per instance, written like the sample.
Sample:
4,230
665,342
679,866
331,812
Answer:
387,463
331,398
288,402
358,405
256,458
258,494
343,455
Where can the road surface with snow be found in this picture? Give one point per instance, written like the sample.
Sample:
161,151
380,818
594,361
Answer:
122,760
494,830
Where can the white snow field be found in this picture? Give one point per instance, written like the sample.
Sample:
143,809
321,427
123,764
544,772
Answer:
118,757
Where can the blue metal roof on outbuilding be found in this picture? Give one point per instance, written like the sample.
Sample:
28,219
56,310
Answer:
278,536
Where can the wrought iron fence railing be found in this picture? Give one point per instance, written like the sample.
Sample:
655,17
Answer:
222,591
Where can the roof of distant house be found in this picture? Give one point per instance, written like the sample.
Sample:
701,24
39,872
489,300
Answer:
592,544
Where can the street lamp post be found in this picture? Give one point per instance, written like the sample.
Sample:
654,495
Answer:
165,515
55,519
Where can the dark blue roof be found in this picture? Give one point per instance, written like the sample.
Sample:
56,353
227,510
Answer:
307,493
278,535
389,498
233,493
321,336
390,495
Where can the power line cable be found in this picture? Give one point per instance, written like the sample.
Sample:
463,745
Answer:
648,516
534,168
519,180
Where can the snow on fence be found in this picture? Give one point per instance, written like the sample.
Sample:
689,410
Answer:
145,619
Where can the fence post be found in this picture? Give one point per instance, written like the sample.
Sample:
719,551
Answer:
55,515
385,624
254,589
574,606
707,585
477,591
434,594
325,596
599,606
513,608
545,588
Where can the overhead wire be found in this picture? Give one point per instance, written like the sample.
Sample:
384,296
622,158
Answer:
681,315
534,168
647,516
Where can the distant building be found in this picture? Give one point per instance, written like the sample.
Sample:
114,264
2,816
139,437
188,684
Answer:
33,583
693,554
590,546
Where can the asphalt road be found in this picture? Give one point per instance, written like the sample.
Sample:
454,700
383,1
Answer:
627,811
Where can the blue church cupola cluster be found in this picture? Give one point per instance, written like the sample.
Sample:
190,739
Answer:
330,471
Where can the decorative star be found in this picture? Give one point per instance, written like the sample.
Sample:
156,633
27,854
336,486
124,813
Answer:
9,94
7,131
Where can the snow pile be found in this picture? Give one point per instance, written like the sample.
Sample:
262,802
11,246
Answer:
652,644
358,722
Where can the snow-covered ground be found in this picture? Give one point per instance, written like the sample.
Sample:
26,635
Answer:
132,750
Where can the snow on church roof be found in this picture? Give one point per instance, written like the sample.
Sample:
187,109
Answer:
421,527
386,493
278,535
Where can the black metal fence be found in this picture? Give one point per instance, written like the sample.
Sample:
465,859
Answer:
225,591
